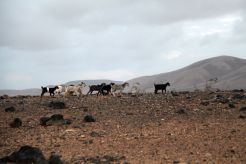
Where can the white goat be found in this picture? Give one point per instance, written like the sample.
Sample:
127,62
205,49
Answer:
135,88
60,90
69,90
119,87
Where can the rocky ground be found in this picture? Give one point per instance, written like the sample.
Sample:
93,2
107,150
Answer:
187,127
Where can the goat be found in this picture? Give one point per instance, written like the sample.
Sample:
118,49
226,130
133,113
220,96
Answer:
119,87
135,88
60,90
49,90
161,87
74,89
95,88
106,88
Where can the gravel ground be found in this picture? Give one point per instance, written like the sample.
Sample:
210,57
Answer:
185,127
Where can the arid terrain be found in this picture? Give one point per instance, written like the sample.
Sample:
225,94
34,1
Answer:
182,127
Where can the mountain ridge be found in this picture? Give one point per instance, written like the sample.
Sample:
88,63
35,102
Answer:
230,72
196,75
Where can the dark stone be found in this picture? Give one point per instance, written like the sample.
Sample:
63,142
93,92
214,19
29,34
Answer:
27,155
57,105
231,105
89,118
55,159
4,97
88,142
242,116
95,134
104,159
175,162
219,96
238,96
43,120
221,99
181,111
242,109
237,90
56,119
205,103
10,109
16,123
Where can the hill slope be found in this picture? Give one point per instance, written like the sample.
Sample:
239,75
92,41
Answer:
230,72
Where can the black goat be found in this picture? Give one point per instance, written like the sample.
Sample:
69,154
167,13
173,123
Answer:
106,88
95,88
50,90
161,87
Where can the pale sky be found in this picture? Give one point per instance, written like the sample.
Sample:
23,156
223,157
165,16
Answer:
46,42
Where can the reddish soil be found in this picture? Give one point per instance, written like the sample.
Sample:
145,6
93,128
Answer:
192,127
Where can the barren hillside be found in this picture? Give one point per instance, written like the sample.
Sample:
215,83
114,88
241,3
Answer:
230,72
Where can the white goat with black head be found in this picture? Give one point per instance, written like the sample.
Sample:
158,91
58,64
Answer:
119,87
74,89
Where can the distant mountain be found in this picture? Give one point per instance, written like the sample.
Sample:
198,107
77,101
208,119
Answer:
230,73
92,82
37,91
32,91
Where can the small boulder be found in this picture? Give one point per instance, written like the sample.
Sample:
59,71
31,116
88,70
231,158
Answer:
26,154
55,159
242,109
238,96
95,134
10,109
242,116
89,118
16,123
57,105
181,111
56,119
238,90
43,120
4,97
205,103
221,99
231,105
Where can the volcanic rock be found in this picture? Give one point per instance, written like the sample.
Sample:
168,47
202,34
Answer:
10,109
89,118
56,119
57,105
242,109
55,159
27,155
16,123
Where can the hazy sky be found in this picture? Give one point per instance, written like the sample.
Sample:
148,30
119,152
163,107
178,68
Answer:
46,42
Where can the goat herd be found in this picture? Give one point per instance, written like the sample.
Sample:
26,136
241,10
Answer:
102,89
